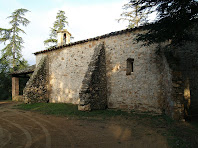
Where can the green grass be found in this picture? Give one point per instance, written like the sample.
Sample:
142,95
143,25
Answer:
63,109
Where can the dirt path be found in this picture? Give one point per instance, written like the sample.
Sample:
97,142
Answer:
24,129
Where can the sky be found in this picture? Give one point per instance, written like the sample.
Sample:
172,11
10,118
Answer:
87,19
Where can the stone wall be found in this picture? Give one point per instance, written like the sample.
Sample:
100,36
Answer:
142,90
67,69
38,58
172,85
36,89
93,93
177,96
187,71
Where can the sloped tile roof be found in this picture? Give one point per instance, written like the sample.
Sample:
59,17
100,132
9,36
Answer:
29,69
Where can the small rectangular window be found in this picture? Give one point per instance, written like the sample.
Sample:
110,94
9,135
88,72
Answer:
130,62
64,39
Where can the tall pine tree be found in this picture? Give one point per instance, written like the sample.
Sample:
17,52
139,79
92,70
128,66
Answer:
59,24
11,58
13,41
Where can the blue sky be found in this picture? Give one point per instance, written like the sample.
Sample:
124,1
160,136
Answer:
87,18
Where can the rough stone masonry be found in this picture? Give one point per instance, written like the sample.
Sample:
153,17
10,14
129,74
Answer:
111,71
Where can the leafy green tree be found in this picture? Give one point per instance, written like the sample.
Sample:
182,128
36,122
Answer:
11,54
5,81
132,15
59,24
11,58
174,18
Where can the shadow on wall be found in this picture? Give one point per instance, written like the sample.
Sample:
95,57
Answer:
109,68
187,63
93,93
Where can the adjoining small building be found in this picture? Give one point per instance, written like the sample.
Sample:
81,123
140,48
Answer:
108,71
20,74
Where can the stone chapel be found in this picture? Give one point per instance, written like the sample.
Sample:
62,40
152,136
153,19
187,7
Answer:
108,71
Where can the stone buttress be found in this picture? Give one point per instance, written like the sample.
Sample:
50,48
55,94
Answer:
36,89
93,94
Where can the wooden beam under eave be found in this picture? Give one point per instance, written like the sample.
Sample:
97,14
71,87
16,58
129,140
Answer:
21,76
